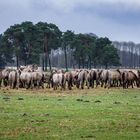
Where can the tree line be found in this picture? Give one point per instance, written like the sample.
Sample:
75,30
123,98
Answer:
27,43
129,54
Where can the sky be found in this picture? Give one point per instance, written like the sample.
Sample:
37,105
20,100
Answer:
119,20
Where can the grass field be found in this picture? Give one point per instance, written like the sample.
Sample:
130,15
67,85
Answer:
99,114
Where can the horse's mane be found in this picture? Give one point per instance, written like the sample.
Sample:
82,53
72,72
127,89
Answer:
118,71
133,74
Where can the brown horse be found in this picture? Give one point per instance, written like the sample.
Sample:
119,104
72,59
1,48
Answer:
114,78
68,78
128,79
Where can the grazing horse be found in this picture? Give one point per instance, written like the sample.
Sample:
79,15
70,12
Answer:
114,78
13,76
81,77
68,78
90,77
128,78
5,75
26,79
104,78
37,79
47,78
58,80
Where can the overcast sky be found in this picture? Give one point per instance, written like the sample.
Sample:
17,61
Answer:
117,19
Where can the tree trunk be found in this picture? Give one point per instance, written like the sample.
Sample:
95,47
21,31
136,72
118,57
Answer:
17,52
46,51
95,64
17,59
83,64
65,53
25,61
50,66
89,63
79,64
46,61
106,66
43,62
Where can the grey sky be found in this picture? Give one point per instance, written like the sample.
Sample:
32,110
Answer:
117,19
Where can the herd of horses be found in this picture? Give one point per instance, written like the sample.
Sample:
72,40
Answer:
32,76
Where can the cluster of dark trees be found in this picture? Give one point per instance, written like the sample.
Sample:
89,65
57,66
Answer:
27,43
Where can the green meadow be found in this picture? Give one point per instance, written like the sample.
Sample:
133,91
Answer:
96,114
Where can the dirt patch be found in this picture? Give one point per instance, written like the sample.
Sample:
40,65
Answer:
86,101
79,100
1,108
46,114
97,101
15,132
20,98
41,115
89,137
6,98
117,102
37,121
135,96
24,114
